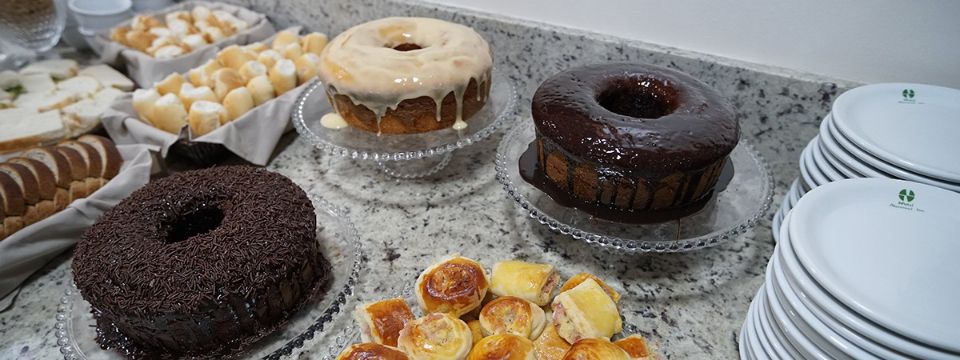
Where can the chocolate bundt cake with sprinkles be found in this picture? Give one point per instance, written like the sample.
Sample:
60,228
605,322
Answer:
201,262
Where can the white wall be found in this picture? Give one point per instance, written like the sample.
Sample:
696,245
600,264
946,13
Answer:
860,40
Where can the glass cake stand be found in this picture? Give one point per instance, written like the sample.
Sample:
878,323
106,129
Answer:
734,210
406,156
76,329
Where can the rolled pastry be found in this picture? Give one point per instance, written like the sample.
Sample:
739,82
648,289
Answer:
269,58
143,101
437,336
237,103
283,75
512,315
381,321
370,351
585,312
475,330
456,285
256,47
262,89
579,278
234,56
225,80
307,65
595,349
313,43
170,84
205,116
251,70
503,347
549,345
292,51
169,114
189,95
282,39
635,346
532,282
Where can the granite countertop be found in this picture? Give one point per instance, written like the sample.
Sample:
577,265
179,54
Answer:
691,305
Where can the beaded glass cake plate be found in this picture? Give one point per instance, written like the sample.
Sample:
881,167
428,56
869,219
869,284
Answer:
734,210
395,152
76,328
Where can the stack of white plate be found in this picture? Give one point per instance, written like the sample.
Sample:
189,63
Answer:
896,131
865,269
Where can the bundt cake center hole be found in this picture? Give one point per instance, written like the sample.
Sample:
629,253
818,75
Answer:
639,98
407,47
197,222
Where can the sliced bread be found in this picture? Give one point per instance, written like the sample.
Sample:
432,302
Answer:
109,155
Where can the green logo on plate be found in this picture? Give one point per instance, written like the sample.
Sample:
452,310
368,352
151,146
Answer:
908,94
907,195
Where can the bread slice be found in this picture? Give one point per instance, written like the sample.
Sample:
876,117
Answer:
24,178
12,224
78,172
37,83
9,79
46,182
93,160
24,128
55,162
13,203
109,155
108,77
80,86
55,68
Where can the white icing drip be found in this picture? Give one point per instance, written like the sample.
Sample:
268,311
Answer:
361,63
333,121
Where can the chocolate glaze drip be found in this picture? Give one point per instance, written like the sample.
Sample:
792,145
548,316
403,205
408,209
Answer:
202,260
635,116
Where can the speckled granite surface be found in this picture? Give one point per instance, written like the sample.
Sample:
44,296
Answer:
691,305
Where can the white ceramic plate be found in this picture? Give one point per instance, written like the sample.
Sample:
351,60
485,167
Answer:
819,333
807,182
816,298
914,126
844,155
753,333
807,160
780,347
894,171
806,348
821,162
898,268
837,164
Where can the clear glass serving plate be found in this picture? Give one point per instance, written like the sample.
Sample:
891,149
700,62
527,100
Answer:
734,210
407,155
76,328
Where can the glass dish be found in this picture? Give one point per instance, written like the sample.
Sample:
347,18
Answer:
407,155
76,328
731,212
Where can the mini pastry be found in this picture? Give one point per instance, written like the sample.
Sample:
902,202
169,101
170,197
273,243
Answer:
234,56
205,116
283,76
512,315
194,94
269,58
256,47
584,312
225,80
143,101
595,349
529,281
169,114
251,70
476,330
306,66
456,285
381,321
195,41
292,51
237,103
169,52
203,75
635,346
313,43
282,39
371,351
213,34
549,345
170,84
503,347
262,89
437,336
581,277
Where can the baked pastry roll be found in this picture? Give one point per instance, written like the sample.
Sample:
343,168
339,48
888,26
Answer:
635,346
475,330
586,312
595,349
381,321
512,315
503,347
371,351
437,336
549,345
528,281
579,278
456,285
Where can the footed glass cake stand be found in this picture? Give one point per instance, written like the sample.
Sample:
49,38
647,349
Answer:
406,156
76,329
730,212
